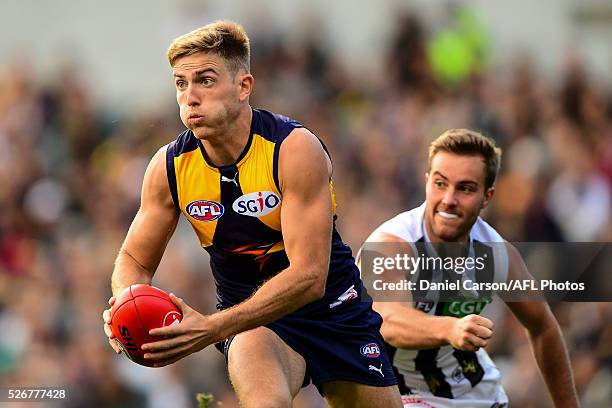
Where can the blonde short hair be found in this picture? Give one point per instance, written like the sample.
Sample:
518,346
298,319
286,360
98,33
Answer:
225,38
465,142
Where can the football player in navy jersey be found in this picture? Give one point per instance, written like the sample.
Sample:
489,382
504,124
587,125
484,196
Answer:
256,188
436,346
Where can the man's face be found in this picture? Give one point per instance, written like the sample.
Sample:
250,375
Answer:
454,194
208,93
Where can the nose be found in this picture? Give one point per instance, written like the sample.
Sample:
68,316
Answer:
449,199
192,96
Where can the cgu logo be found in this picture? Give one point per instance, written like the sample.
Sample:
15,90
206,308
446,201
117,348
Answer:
461,309
370,350
256,204
204,210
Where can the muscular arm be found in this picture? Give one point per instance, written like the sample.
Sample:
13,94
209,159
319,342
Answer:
406,327
545,338
306,222
150,231
409,328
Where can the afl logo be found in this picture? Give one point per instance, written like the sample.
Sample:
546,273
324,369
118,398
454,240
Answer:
172,318
256,204
204,210
370,350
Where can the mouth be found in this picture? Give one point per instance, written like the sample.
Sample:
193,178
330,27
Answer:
447,215
195,118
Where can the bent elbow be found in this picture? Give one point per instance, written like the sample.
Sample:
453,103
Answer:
389,334
316,286
319,291
391,331
316,291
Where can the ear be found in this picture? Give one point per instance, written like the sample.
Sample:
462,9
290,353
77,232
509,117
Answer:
488,196
426,177
245,83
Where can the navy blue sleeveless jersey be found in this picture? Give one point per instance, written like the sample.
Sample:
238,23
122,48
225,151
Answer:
235,212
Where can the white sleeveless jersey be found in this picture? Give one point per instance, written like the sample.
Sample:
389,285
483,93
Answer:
447,373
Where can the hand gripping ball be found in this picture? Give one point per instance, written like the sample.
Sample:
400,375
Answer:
138,309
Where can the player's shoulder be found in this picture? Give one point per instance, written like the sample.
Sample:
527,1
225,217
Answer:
406,225
502,254
283,131
273,126
156,181
482,231
161,173
185,142
301,157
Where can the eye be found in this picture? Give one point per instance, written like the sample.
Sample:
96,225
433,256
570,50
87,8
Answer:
439,183
180,84
207,81
467,189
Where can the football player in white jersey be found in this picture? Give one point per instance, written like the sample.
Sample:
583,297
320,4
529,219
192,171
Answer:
438,346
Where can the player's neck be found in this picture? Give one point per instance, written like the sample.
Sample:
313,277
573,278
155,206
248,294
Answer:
435,239
451,248
225,149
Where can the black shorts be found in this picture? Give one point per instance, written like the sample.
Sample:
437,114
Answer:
342,343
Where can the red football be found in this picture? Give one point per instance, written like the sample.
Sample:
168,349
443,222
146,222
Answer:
138,309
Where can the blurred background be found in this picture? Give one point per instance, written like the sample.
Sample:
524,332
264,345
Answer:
86,98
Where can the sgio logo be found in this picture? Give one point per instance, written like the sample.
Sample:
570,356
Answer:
204,210
256,204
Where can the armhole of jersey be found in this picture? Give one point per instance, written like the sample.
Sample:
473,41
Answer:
277,147
170,171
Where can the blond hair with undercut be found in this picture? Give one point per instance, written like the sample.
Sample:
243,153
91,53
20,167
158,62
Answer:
466,142
225,38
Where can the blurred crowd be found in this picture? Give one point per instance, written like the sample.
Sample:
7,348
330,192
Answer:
70,176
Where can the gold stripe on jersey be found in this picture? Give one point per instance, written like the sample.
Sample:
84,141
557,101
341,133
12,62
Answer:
333,197
255,174
196,180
